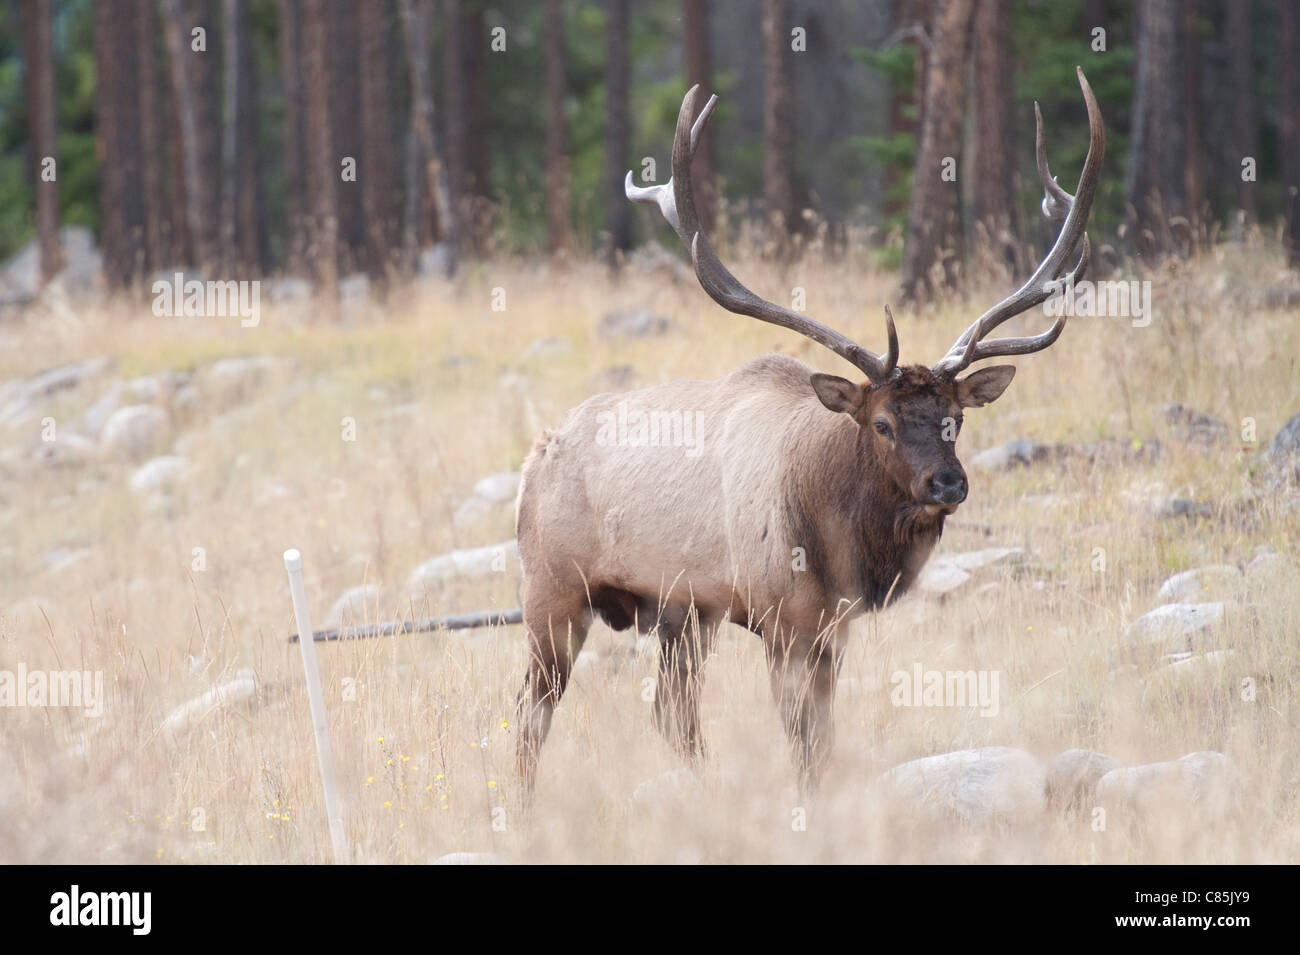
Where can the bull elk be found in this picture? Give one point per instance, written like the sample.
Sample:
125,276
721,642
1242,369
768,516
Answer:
854,479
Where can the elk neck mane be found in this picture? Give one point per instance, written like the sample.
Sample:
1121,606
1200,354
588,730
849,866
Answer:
841,481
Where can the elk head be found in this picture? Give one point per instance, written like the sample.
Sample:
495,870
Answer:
908,416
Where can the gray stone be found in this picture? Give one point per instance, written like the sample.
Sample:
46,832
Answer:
974,785
498,488
67,450
289,289
1072,777
1200,585
633,323
1271,575
1016,453
1174,626
1284,450
135,431
1180,507
469,562
1188,426
1206,781
235,379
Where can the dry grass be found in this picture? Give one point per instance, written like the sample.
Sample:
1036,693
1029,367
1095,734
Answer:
425,749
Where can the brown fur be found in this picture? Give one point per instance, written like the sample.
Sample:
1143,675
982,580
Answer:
655,537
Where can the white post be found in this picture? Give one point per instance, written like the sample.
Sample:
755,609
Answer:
316,697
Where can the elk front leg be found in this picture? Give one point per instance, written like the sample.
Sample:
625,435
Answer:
555,637
683,647
803,671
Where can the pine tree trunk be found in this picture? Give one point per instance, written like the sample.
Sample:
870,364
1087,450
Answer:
777,195
1157,180
1241,64
557,158
38,57
993,165
699,70
295,163
376,170
1289,30
158,248
934,234
453,99
322,167
118,133
618,221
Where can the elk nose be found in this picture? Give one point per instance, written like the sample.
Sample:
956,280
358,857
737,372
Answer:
948,486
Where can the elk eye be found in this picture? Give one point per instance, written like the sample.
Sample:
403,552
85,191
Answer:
883,429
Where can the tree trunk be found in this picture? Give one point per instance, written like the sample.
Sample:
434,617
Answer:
376,170
230,84
118,147
417,19
994,163
295,163
193,87
699,70
618,221
910,22
345,128
934,235
158,241
38,63
1289,28
1189,46
1241,65
557,158
478,157
322,167
453,85
251,236
1157,184
777,195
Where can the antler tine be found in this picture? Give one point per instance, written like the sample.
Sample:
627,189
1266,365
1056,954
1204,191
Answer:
676,200
1057,205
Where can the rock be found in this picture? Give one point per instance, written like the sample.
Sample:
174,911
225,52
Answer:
950,571
1200,585
1188,426
633,323
354,295
469,562
975,785
1196,672
135,431
1176,507
159,475
1270,575
663,791
1016,453
64,557
939,577
437,260
472,511
239,691
67,450
1205,781
234,379
548,347
975,559
354,605
82,264
19,400
470,858
498,488
289,289
1284,450
97,415
1072,777
1174,626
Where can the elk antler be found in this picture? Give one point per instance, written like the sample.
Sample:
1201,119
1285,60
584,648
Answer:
676,200
1057,205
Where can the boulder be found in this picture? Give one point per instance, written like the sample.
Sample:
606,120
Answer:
1207,782
468,562
1201,585
633,323
159,475
974,785
135,431
1073,775
1178,626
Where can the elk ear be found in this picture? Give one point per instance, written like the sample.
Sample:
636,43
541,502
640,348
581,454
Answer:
979,388
836,393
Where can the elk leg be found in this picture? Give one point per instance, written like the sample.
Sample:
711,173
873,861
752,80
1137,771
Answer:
554,640
803,674
683,648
